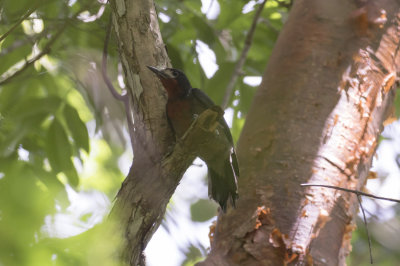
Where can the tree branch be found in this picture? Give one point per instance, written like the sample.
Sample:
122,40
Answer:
146,207
46,49
2,37
28,39
239,65
110,87
125,96
29,62
366,228
357,192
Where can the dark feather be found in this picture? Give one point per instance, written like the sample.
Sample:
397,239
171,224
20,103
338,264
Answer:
223,188
208,103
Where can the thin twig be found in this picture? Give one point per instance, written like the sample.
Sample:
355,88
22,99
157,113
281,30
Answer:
359,194
28,63
28,39
113,91
352,191
45,50
120,97
2,37
366,229
239,65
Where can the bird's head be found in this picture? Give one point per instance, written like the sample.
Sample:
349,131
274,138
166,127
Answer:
174,81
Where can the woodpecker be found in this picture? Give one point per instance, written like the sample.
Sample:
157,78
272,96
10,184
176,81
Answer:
183,106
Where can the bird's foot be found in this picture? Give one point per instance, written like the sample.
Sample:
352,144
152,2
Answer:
219,110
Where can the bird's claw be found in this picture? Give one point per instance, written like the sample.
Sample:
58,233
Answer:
219,110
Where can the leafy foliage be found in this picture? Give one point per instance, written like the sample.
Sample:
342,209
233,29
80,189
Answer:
44,137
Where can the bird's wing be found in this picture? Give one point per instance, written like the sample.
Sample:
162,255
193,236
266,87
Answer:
203,98
208,103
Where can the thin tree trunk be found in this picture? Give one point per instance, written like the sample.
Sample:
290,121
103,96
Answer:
141,202
158,164
316,118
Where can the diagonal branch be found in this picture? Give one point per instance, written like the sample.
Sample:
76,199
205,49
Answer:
2,37
28,39
239,65
46,49
146,213
29,62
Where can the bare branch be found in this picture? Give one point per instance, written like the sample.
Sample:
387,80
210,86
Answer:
104,65
121,97
366,228
239,65
357,192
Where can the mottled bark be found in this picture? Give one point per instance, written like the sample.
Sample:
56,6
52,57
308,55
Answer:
143,197
316,118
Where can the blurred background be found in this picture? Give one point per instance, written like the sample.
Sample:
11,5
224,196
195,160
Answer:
64,146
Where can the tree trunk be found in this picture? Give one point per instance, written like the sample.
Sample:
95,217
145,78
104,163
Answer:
315,118
142,199
158,163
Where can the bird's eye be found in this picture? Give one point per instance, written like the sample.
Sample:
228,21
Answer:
175,73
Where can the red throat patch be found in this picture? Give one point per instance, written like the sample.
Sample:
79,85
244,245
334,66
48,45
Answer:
172,88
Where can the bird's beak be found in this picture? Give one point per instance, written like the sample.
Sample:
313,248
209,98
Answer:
158,72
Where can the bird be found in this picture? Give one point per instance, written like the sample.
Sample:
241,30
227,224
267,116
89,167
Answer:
184,105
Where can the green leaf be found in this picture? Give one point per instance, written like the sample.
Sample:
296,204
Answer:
193,5
195,73
215,87
72,175
193,256
175,56
33,106
77,128
230,11
54,186
203,210
59,152
204,31
18,8
8,58
19,130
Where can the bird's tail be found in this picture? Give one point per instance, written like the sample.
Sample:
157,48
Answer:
223,188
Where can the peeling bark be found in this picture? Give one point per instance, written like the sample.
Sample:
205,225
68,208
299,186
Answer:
316,118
